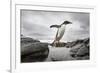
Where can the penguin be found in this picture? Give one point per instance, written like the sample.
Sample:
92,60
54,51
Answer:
60,32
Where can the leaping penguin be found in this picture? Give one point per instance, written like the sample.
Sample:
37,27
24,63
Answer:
60,31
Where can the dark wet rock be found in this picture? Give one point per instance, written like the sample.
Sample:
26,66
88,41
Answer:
33,50
80,50
74,43
83,51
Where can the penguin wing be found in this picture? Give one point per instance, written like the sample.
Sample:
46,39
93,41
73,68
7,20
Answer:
57,26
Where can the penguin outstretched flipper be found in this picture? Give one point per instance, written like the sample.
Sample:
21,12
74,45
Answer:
57,26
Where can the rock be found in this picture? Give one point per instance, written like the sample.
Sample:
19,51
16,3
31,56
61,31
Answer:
81,49
71,44
73,52
33,50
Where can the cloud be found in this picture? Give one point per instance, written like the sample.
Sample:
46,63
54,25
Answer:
36,24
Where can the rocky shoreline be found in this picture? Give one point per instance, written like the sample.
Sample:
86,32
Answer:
80,49
33,50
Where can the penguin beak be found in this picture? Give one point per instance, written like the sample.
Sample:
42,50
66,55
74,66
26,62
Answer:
70,23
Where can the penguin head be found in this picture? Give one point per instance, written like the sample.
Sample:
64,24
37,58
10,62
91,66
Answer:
67,22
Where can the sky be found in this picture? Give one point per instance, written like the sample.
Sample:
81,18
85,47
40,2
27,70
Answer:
36,24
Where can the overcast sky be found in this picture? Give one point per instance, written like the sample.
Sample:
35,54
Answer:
36,24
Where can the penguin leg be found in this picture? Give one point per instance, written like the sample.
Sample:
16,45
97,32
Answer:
59,43
54,43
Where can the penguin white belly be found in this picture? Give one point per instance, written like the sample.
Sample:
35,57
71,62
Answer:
61,31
